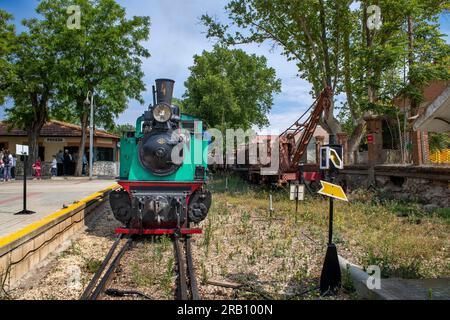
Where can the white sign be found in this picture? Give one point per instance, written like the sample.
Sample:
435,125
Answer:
301,192
54,140
21,149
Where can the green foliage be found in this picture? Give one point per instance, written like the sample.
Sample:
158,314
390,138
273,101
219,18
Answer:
32,81
7,34
179,103
54,67
438,141
102,56
92,265
230,89
331,45
443,213
120,129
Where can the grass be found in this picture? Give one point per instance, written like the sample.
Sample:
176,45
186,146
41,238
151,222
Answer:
401,238
152,266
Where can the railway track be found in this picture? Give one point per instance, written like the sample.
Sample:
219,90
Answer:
186,288
186,284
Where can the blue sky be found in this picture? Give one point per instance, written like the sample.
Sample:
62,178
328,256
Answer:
176,35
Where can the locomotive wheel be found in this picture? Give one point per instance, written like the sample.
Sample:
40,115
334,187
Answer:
121,205
199,205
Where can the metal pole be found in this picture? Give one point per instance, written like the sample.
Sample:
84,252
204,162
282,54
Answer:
270,205
25,184
91,137
330,230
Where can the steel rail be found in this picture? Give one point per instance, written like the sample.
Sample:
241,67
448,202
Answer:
91,286
98,283
191,270
107,276
181,288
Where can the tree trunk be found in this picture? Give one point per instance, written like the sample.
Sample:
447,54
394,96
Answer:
33,137
34,128
326,54
84,124
355,138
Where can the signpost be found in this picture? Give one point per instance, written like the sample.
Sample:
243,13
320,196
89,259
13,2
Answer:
331,159
332,190
297,193
22,150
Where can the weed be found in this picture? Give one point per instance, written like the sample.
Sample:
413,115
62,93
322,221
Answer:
207,237
204,274
347,282
443,213
75,249
92,265
138,277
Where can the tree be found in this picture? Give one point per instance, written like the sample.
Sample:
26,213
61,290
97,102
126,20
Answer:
332,45
103,56
307,31
31,81
120,129
230,89
438,141
7,34
180,103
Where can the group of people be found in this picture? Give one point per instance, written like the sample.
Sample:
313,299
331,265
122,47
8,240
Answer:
7,165
62,164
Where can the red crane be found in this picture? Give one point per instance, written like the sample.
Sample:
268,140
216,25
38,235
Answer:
291,151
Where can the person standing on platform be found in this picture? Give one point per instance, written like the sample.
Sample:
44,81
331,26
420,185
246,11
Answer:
7,161
2,165
54,169
2,168
13,167
60,163
66,162
83,172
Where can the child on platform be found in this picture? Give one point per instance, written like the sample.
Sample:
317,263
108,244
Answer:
37,168
54,166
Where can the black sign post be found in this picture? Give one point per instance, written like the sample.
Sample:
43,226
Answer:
330,279
25,211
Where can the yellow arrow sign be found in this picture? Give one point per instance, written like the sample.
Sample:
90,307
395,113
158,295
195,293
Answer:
332,190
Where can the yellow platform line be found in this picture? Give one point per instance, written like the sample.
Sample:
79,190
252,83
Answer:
31,227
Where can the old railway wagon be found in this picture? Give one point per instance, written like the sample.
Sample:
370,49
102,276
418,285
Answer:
163,167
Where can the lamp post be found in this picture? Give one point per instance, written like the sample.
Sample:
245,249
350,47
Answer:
91,130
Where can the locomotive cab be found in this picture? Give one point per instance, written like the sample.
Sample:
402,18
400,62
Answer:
162,169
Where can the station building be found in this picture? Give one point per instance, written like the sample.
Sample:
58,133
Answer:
57,135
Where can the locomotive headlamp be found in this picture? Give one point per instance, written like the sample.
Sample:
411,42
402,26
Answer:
162,113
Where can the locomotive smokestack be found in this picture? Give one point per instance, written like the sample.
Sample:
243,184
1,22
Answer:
164,90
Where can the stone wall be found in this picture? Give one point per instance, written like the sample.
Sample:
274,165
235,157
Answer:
391,156
426,191
427,185
106,168
45,170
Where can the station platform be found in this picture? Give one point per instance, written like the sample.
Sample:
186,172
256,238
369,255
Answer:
44,197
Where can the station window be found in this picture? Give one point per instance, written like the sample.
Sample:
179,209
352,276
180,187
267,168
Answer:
104,154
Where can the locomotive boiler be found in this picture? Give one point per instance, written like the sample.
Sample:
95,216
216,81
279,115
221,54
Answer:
162,170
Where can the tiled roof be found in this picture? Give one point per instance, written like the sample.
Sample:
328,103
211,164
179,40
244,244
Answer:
54,128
